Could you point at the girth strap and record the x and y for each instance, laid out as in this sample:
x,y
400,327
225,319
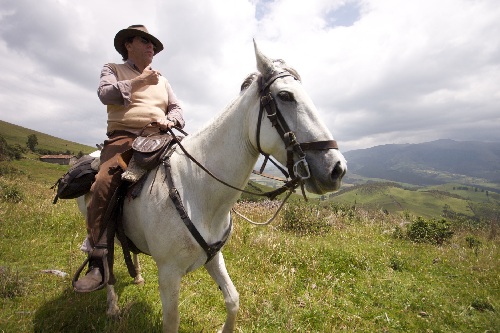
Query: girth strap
x,y
212,249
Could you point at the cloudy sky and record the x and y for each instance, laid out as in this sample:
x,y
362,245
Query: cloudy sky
x,y
379,71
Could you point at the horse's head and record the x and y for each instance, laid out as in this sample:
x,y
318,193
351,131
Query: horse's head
x,y
292,132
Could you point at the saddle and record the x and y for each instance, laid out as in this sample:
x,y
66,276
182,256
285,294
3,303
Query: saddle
x,y
145,155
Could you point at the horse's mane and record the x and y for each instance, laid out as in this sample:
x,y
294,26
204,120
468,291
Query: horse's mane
x,y
278,63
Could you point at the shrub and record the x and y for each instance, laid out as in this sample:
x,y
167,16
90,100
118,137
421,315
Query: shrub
x,y
473,243
482,305
304,218
343,211
398,233
429,231
397,264
7,169
11,193
17,151
8,152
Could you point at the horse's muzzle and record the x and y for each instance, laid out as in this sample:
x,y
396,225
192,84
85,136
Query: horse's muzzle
x,y
338,172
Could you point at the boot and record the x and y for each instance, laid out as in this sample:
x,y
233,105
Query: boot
x,y
93,279
96,277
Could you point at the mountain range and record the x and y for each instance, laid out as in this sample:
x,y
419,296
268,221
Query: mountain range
x,y
430,163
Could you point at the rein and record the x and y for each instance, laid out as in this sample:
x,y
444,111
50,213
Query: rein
x,y
297,171
289,185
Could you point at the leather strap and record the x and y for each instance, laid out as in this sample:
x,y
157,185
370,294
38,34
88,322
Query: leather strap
x,y
212,249
102,255
292,146
271,195
319,145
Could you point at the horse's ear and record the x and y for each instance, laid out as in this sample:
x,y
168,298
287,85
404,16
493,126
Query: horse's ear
x,y
264,64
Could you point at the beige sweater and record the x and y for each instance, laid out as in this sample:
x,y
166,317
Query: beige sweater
x,y
147,104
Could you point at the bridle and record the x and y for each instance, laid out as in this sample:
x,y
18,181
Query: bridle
x,y
298,170
293,147
295,175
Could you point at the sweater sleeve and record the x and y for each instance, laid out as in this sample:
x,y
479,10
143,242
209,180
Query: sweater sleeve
x,y
111,91
174,109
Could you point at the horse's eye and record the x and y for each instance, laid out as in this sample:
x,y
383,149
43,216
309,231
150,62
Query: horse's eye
x,y
286,96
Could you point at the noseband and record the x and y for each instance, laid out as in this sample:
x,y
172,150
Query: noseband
x,y
299,170
292,146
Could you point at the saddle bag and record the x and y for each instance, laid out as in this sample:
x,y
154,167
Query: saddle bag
x,y
77,181
148,149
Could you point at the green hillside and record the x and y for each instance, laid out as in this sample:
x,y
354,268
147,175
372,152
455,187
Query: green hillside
x,y
431,201
315,269
326,266
18,135
394,198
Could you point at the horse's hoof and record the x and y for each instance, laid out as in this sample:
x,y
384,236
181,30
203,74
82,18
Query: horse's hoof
x,y
139,280
113,312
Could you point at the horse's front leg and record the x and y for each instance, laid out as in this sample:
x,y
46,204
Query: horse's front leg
x,y
169,284
217,270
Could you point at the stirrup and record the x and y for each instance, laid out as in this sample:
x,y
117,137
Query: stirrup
x,y
105,265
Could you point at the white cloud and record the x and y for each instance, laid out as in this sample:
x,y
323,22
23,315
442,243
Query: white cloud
x,y
379,71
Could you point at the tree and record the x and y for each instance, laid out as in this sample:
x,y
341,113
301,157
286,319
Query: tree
x,y
4,149
32,142
8,152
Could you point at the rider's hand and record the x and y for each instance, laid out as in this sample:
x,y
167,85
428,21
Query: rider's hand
x,y
148,77
165,123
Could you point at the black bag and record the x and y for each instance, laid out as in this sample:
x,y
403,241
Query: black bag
x,y
77,181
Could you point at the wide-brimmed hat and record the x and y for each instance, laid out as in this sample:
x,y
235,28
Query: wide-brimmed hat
x,y
132,31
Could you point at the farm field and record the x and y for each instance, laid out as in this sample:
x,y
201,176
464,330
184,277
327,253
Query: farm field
x,y
321,267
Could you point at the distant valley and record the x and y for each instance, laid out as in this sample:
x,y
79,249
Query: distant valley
x,y
439,178
431,163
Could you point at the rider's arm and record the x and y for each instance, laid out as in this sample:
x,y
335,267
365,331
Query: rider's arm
x,y
174,110
112,91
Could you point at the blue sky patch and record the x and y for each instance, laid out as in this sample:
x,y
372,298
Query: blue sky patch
x,y
344,16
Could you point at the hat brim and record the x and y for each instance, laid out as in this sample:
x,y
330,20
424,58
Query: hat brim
x,y
122,35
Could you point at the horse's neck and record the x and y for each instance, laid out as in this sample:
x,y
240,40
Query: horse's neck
x,y
224,148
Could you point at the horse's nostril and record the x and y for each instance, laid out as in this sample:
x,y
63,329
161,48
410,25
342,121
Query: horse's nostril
x,y
338,171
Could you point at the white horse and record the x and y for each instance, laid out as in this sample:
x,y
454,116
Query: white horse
x,y
228,147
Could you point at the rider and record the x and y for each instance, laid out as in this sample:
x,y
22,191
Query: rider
x,y
136,95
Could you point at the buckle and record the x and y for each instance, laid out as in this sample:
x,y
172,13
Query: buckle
x,y
305,168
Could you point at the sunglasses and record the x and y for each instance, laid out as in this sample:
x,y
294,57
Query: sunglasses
x,y
146,41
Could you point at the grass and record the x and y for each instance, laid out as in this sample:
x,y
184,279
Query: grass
x,y
351,275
